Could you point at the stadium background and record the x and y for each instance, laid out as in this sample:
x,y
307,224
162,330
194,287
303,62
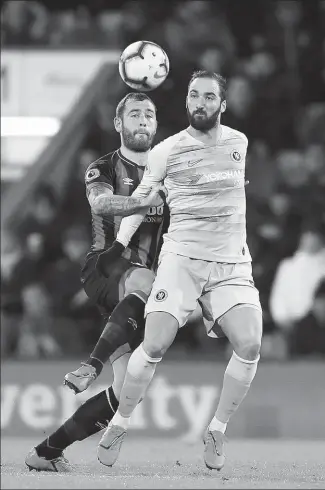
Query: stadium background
x,y
59,90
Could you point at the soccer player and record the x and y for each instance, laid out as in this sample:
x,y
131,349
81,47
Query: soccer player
x,y
204,258
109,183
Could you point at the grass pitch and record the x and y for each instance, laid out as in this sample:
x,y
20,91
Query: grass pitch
x,y
161,463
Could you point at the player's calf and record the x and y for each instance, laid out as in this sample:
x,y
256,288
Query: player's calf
x,y
90,418
140,371
120,329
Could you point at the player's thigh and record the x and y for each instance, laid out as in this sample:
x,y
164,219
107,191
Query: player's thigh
x,y
178,285
104,291
137,280
229,285
174,296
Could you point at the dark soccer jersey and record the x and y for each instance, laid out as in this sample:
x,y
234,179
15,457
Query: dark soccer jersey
x,y
122,176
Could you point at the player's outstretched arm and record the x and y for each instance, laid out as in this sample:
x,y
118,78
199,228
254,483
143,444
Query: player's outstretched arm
x,y
151,182
104,202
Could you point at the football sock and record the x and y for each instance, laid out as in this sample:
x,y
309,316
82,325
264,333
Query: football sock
x,y
140,371
90,418
237,379
119,330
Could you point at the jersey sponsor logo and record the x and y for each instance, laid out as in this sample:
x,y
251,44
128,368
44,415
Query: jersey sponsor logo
x,y
156,210
154,214
127,181
161,295
92,174
235,155
191,163
215,176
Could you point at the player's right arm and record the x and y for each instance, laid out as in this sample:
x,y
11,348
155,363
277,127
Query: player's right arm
x,y
99,181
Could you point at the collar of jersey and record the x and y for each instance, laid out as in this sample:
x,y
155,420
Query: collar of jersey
x,y
120,154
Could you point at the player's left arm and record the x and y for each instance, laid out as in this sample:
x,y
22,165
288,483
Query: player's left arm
x,y
152,181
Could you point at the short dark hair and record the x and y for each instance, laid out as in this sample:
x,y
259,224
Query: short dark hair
x,y
136,96
222,82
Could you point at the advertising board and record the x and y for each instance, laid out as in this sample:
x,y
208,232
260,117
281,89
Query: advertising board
x,y
285,400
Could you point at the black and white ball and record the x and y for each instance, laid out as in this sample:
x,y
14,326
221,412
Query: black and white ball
x,y
144,66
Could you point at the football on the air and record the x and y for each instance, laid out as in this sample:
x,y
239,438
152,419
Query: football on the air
x,y
144,66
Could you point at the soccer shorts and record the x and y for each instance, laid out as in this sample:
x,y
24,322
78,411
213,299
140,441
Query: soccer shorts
x,y
106,292
182,282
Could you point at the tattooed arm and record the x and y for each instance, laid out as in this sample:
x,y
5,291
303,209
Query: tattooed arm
x,y
103,202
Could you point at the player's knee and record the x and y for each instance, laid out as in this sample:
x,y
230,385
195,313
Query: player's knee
x,y
248,344
157,345
248,349
155,349
246,332
160,332
140,280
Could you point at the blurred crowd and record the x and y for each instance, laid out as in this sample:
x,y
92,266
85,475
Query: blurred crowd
x,y
274,60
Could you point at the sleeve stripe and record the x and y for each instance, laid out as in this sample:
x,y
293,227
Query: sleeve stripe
x,y
104,184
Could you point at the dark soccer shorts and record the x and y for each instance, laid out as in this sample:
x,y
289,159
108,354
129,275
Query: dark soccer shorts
x,y
101,290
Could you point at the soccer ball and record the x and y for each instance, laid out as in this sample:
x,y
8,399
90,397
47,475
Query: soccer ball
x,y
143,65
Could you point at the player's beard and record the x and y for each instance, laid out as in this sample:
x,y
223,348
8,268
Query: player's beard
x,y
139,144
203,123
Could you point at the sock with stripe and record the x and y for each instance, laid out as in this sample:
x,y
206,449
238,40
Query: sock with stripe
x,y
90,418
120,329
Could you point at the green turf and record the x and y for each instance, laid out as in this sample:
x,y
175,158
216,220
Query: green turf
x,y
161,463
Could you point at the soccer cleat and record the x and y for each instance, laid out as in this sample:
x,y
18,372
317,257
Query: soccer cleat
x,y
110,444
80,379
214,456
38,463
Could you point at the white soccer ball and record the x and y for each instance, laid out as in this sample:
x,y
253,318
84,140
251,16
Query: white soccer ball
x,y
143,65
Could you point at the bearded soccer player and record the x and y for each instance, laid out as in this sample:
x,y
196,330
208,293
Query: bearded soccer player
x,y
109,183
204,258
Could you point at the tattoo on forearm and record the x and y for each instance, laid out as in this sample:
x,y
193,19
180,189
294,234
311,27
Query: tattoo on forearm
x,y
104,203
118,205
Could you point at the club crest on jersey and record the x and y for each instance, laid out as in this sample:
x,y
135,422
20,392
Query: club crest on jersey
x,y
161,295
92,174
235,155
127,181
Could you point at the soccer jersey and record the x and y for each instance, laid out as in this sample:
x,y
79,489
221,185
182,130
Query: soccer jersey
x,y
206,196
122,176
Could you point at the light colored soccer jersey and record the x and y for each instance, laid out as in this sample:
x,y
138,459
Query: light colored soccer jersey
x,y
206,196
